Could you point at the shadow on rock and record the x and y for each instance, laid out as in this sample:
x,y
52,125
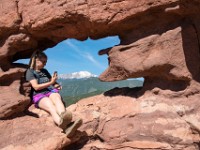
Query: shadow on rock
x,y
25,113
82,137
125,91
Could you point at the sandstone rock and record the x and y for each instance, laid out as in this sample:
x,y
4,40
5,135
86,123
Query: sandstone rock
x,y
30,132
9,19
159,41
12,46
147,122
12,101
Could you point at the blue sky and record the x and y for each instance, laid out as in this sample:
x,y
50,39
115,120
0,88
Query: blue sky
x,y
73,56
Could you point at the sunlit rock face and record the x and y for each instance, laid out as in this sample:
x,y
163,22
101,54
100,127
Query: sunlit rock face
x,y
122,119
163,47
162,56
159,41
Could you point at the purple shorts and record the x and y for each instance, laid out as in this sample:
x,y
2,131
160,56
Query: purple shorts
x,y
36,98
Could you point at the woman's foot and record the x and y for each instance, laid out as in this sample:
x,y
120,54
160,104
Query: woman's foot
x,y
71,129
66,118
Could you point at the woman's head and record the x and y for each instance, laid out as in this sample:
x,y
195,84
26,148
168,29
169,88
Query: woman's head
x,y
38,60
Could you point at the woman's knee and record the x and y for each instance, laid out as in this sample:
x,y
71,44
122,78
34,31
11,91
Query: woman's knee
x,y
55,95
45,103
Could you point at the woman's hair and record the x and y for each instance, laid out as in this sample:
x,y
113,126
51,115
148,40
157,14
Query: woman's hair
x,y
36,54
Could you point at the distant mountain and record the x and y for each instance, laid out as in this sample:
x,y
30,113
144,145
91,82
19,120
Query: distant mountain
x,y
76,89
77,75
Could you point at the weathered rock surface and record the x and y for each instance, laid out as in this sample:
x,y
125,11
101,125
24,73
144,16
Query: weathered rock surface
x,y
120,119
159,41
31,131
12,101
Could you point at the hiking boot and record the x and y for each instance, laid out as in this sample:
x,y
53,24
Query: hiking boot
x,y
66,118
71,129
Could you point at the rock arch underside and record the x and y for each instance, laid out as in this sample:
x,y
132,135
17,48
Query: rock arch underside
x,y
160,41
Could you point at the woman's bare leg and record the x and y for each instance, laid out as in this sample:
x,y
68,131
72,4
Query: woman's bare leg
x,y
57,101
47,105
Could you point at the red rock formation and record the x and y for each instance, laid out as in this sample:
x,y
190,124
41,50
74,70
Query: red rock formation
x,y
33,131
123,120
159,41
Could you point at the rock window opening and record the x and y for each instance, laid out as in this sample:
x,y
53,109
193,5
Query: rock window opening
x,y
78,65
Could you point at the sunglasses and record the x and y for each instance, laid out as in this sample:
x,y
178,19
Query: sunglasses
x,y
43,61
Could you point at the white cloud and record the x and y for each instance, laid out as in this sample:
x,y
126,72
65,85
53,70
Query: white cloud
x,y
77,75
86,55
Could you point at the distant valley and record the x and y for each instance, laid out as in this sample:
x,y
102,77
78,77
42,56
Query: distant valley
x,y
74,89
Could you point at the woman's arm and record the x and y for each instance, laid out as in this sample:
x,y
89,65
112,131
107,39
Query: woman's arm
x,y
37,86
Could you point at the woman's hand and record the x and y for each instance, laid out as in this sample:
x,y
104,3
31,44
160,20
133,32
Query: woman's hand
x,y
58,86
53,79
